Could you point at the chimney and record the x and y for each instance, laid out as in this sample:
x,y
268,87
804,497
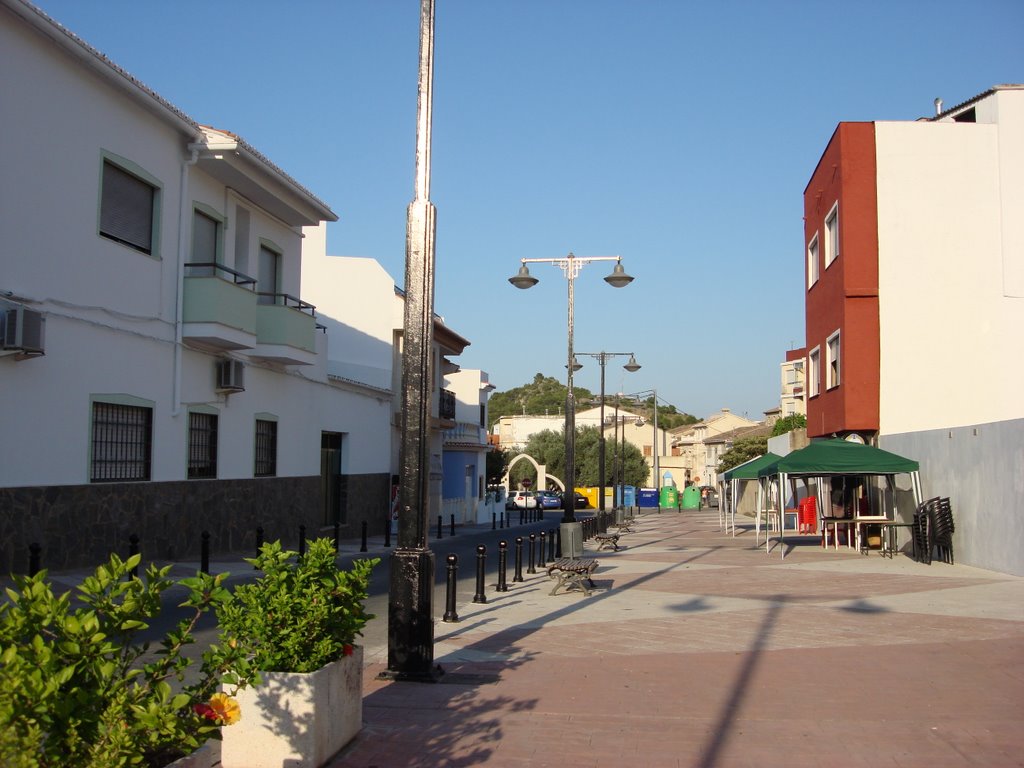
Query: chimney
x,y
938,106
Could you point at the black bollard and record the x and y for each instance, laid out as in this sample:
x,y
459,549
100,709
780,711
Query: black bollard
x,y
337,537
502,565
440,534
259,540
501,519
302,541
551,544
133,549
494,521
204,549
522,513
362,546
33,558
450,615
387,532
518,576
533,554
541,550
558,545
451,529
481,554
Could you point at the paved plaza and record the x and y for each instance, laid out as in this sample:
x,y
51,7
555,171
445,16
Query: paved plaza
x,y
699,649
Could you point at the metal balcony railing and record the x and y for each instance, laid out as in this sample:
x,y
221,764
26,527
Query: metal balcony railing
x,y
286,300
212,269
446,407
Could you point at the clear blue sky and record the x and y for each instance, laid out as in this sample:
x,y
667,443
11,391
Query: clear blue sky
x,y
679,135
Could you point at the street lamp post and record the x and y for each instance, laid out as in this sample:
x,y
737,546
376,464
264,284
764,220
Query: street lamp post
x,y
570,266
632,366
410,596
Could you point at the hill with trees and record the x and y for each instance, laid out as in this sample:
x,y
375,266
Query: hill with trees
x,y
546,396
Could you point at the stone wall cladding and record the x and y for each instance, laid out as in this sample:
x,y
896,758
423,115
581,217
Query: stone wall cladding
x,y
78,526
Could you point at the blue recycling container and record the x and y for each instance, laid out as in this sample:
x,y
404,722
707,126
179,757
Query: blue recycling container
x,y
648,498
629,495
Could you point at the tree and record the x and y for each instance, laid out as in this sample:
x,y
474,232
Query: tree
x,y
742,451
497,464
548,448
789,423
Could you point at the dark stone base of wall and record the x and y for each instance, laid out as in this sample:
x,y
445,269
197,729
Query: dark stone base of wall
x,y
79,526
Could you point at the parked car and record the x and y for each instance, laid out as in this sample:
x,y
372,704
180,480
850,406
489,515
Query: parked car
x,y
709,496
521,500
549,499
553,500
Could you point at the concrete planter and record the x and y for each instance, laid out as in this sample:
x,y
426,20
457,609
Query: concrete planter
x,y
299,720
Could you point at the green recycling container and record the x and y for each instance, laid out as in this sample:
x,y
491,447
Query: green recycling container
x,y
691,498
669,496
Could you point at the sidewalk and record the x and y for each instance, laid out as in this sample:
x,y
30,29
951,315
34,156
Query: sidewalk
x,y
700,650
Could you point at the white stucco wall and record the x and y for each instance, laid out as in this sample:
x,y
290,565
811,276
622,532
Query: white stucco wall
x,y
952,353
355,298
110,310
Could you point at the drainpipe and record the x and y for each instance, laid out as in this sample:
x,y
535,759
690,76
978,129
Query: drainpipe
x,y
179,284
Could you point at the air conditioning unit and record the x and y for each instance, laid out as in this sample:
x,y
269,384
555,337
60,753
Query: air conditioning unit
x,y
22,330
230,376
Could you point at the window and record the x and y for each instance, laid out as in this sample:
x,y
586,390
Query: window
x,y
266,448
814,372
832,352
127,208
268,273
205,238
202,445
122,447
832,236
812,261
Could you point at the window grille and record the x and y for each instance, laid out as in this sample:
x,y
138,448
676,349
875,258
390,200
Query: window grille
x,y
266,448
122,446
202,445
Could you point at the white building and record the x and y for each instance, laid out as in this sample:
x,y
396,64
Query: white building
x,y
914,304
363,311
163,370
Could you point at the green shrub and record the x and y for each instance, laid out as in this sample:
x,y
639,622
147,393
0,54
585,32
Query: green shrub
x,y
78,688
301,613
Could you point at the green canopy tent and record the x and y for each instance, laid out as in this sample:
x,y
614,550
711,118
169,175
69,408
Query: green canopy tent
x,y
831,458
732,478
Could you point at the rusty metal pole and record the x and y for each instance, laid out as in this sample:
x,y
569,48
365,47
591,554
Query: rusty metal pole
x,y
410,598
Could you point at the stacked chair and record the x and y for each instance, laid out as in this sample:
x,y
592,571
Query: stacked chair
x,y
933,531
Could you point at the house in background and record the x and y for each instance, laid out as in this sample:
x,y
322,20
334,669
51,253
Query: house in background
x,y
688,443
464,461
914,277
164,371
363,312
791,400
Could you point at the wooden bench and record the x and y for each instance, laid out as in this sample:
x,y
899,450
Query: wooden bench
x,y
623,527
607,541
572,572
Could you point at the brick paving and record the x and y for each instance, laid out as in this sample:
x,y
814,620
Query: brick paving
x,y
699,649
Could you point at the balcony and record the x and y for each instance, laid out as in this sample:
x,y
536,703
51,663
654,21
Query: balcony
x,y
218,308
465,435
285,330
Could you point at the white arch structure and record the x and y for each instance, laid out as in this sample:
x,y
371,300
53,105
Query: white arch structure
x,y
542,474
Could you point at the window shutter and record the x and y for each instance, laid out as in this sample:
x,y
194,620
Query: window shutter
x,y
126,209
204,239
